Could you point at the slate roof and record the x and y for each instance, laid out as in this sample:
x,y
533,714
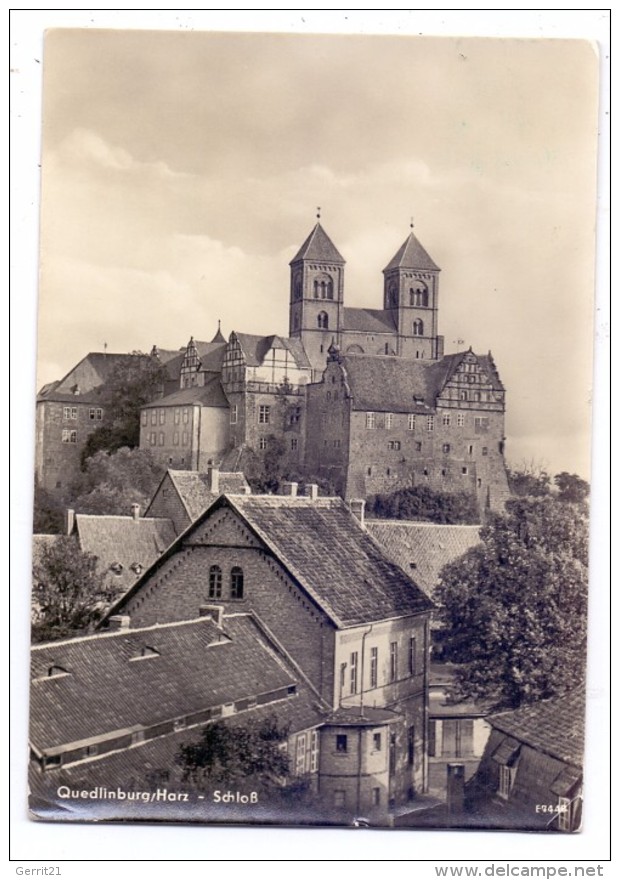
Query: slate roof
x,y
383,383
423,549
555,727
189,666
318,246
411,255
124,540
211,356
209,394
256,347
194,492
369,320
328,552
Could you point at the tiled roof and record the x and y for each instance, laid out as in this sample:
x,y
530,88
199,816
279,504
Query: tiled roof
x,y
256,347
318,246
325,548
382,383
211,356
193,489
369,320
124,540
411,255
423,549
209,394
555,727
111,682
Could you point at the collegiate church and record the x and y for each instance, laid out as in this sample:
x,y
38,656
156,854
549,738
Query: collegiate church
x,y
363,397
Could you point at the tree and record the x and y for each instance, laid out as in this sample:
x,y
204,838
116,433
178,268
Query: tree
x,y
111,483
529,479
69,595
132,384
423,504
227,754
48,516
571,488
513,609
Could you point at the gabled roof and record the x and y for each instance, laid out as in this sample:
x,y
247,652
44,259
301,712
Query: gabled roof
x,y
326,550
319,247
451,362
423,549
195,494
102,365
384,383
369,320
555,726
411,255
139,677
211,356
255,348
209,394
124,541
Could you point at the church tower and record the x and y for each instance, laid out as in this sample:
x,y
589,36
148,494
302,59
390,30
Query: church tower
x,y
410,293
317,297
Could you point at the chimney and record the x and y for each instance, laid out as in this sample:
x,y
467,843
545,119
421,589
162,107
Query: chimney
x,y
456,788
357,506
312,491
213,477
215,612
290,488
135,511
119,623
70,521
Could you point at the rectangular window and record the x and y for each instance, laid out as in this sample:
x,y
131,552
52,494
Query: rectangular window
x,y
145,417
393,661
162,417
470,449
153,417
233,414
262,443
175,438
418,446
430,423
460,420
411,746
341,742
565,819
353,673
481,424
371,420
69,412
184,438
411,422
457,737
393,444
343,676
314,751
445,447
445,419
389,420
162,438
432,739
295,415
374,667
69,436
376,797
153,438
264,414
506,780
300,755
336,444
464,470
185,415
412,658
485,450
177,415
95,413
376,742
294,444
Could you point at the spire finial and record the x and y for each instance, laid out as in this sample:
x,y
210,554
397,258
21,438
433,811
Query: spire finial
x,y
219,324
318,213
411,222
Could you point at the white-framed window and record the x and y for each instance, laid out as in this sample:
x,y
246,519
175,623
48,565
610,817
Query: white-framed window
x,y
162,438
314,751
353,673
374,667
411,422
264,414
430,423
162,417
371,420
481,424
177,415
184,438
300,754
393,661
389,420
95,413
445,447
153,417
460,420
69,412
446,419
262,443
185,415
153,438
69,436
233,414
393,444
565,814
294,444
144,417
506,781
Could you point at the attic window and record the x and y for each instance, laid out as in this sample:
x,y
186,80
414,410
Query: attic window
x,y
417,399
137,567
146,653
55,670
116,567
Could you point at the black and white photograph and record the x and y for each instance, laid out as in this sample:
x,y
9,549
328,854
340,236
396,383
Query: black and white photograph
x,y
313,433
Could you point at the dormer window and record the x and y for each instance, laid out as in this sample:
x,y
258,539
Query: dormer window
x,y
55,671
146,653
116,568
136,567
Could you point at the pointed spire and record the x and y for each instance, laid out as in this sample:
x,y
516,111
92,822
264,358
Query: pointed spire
x,y
219,336
318,246
411,255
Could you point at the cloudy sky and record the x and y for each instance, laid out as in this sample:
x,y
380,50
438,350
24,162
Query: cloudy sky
x,y
181,171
